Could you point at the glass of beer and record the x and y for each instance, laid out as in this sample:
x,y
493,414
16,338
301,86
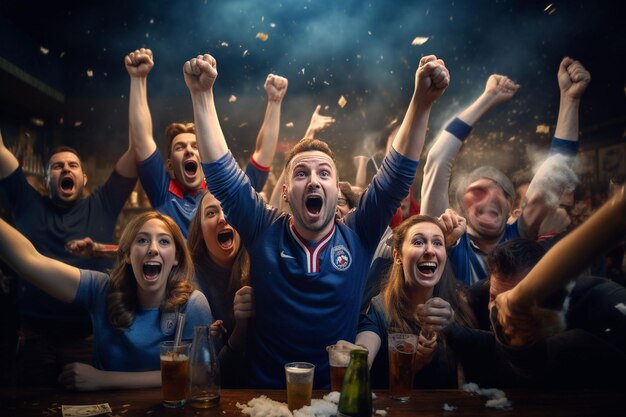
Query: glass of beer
x,y
338,358
175,373
402,348
299,377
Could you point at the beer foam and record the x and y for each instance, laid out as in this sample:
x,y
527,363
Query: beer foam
x,y
296,370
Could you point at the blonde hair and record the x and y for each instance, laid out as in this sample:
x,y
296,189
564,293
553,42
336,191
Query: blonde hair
x,y
122,300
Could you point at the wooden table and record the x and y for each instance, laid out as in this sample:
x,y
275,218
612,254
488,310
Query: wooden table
x,y
424,403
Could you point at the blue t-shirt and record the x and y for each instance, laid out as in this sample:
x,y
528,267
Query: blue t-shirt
x,y
168,196
137,348
49,227
468,261
307,294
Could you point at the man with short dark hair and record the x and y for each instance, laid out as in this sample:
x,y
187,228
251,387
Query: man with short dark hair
x,y
308,270
53,331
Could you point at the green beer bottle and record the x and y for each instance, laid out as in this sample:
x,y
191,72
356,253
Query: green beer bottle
x,y
356,394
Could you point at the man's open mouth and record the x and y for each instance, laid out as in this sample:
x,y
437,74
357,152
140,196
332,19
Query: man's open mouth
x,y
191,167
314,204
67,184
151,270
225,239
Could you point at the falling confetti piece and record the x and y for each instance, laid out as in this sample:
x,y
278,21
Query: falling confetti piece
x,y
36,121
543,129
89,73
245,53
244,124
420,40
44,50
342,102
147,35
62,54
232,99
262,36
78,123
550,9
290,124
272,25
326,82
224,44
151,21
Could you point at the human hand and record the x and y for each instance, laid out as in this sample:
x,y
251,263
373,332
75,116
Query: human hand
x,y
318,123
217,327
454,226
139,63
434,315
425,351
500,88
527,325
275,87
431,79
243,305
83,248
200,73
80,377
573,78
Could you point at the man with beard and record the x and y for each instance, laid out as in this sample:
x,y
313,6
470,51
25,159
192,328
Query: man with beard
x,y
308,270
173,188
52,332
485,196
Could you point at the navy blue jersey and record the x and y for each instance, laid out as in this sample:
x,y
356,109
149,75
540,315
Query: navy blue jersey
x,y
307,294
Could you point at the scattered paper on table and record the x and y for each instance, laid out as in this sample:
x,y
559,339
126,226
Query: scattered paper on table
x,y
85,410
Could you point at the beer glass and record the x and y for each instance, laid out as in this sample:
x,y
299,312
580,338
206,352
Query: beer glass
x,y
402,348
299,377
175,373
339,359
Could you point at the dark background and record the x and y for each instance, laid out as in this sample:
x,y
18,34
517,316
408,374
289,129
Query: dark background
x,y
355,48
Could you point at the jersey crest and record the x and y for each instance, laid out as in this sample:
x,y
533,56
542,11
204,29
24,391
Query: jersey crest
x,y
340,257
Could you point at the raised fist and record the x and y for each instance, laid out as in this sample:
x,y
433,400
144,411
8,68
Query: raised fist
x,y
501,88
276,87
200,73
431,79
573,78
139,63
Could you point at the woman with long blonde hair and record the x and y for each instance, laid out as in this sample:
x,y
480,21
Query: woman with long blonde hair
x,y
133,309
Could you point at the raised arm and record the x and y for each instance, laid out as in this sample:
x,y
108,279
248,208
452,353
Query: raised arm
x,y
139,64
438,167
8,161
276,87
55,278
318,123
431,80
519,313
556,175
200,74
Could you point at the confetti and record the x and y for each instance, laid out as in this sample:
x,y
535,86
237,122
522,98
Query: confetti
x,y
244,124
262,36
342,102
37,121
224,44
232,98
62,54
89,73
290,124
420,40
550,9
78,123
272,25
151,21
44,50
245,53
543,129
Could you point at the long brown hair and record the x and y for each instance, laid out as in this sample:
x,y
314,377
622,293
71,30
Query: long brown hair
x,y
398,306
239,273
122,300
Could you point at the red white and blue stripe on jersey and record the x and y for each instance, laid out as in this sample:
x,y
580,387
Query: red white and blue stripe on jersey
x,y
312,253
